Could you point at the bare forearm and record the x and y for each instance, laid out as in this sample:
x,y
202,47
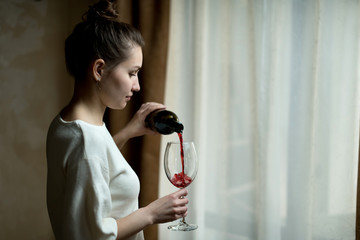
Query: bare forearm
x,y
133,223
121,138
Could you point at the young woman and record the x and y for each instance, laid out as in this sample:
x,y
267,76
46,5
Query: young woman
x,y
92,192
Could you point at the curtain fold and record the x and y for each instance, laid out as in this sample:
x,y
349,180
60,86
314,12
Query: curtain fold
x,y
269,92
151,17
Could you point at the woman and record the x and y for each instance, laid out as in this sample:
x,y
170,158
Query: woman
x,y
92,193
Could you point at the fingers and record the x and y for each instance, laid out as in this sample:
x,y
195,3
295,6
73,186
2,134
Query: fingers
x,y
180,212
150,107
181,193
180,201
170,207
179,209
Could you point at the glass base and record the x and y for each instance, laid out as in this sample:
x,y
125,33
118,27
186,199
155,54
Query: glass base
x,y
183,226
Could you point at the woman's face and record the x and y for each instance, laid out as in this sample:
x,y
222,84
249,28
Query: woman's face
x,y
118,85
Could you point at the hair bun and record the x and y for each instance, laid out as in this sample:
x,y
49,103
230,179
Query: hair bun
x,y
103,9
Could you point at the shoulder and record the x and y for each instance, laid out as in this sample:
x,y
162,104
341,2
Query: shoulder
x,y
75,140
60,130
77,130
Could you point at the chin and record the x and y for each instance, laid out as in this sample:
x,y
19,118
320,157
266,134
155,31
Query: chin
x,y
122,106
118,106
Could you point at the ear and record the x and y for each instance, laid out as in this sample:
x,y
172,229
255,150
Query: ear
x,y
98,68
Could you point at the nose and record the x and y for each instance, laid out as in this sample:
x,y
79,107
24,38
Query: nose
x,y
136,85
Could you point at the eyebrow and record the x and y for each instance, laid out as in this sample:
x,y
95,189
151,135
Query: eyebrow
x,y
136,68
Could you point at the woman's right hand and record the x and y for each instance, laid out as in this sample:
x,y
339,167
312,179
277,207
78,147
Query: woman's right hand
x,y
136,126
169,208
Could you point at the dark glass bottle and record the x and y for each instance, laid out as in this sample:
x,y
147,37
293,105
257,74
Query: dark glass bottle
x,y
164,122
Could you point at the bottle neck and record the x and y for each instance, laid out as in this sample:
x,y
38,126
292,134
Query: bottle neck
x,y
175,126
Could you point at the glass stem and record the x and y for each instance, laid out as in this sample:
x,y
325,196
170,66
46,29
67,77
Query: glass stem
x,y
183,219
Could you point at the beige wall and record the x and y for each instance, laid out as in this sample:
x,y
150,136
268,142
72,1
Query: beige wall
x,y
34,86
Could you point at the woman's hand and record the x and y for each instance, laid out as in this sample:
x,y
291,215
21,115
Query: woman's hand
x,y
136,126
168,208
165,209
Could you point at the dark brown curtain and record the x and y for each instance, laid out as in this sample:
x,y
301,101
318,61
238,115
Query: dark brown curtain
x,y
151,17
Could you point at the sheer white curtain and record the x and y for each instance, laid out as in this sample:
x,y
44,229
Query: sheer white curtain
x,y
269,93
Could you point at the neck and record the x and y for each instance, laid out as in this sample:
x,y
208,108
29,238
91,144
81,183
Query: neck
x,y
85,105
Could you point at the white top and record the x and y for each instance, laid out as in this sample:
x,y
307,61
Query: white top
x,y
89,182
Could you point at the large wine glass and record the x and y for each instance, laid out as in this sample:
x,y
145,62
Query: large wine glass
x,y
180,163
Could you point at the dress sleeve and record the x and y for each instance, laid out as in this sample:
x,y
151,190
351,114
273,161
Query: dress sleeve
x,y
87,201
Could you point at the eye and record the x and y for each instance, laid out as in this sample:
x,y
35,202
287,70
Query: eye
x,y
133,74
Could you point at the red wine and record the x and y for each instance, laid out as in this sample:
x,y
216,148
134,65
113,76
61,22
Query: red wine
x,y
181,180
181,151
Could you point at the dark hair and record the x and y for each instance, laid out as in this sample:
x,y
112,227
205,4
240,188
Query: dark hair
x,y
100,35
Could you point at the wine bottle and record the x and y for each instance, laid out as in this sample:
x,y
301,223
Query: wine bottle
x,y
164,122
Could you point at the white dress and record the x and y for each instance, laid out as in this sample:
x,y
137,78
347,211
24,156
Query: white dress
x,y
89,182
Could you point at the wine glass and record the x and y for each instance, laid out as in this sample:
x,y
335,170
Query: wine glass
x,y
180,163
